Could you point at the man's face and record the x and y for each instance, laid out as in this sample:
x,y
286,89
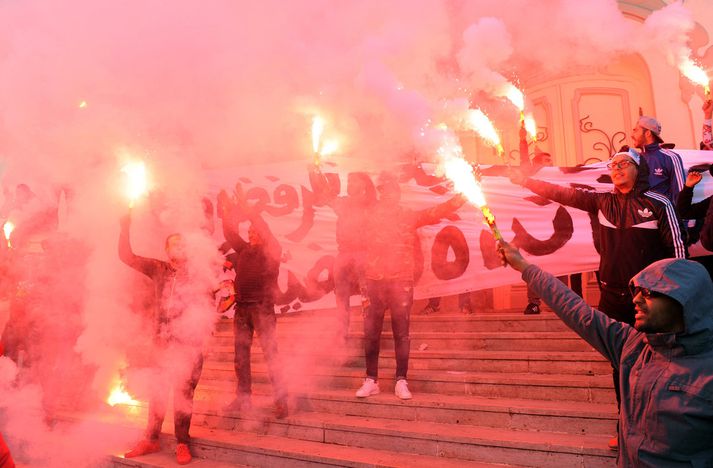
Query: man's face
x,y
657,313
623,172
640,136
176,249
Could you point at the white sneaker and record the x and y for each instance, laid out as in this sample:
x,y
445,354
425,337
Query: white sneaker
x,y
401,390
368,388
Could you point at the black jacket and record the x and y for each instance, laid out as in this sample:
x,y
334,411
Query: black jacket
x,y
256,267
169,283
635,229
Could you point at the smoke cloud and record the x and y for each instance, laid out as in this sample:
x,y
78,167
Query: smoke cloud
x,y
189,86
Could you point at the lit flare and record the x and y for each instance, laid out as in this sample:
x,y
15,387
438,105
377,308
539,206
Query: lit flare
x,y
321,146
318,125
480,123
461,174
514,95
530,126
137,181
7,229
119,396
696,74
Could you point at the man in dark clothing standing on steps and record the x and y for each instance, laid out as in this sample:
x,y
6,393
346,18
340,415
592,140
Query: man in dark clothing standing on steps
x,y
257,263
663,359
352,213
392,230
173,290
636,228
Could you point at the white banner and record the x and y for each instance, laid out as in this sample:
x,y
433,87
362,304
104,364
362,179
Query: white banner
x,y
458,254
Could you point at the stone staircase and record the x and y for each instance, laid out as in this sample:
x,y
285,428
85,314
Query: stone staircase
x,y
490,389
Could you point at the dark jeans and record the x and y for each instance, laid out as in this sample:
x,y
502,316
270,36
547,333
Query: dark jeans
x,y
618,305
397,296
348,280
249,317
183,390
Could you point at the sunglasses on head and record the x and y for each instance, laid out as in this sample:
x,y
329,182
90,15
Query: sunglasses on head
x,y
646,292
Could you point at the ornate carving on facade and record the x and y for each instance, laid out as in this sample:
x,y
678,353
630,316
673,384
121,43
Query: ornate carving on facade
x,y
607,144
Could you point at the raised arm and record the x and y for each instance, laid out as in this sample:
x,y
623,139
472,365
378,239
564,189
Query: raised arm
x,y
607,336
586,201
230,215
684,206
147,266
524,150
707,141
325,193
435,214
272,245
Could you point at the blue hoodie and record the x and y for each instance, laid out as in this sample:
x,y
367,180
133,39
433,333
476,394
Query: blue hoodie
x,y
666,414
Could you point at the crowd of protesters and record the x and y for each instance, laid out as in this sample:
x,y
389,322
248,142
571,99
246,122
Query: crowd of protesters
x,y
654,305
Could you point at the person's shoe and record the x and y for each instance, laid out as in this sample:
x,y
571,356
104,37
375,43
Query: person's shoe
x,y
614,443
280,409
368,388
401,390
532,309
183,455
429,309
241,404
144,447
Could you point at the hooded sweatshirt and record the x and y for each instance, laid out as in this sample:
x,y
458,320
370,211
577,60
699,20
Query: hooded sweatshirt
x,y
635,229
666,414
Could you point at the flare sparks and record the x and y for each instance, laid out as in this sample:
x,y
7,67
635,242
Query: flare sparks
x,y
696,74
7,228
119,396
137,181
321,146
462,174
477,121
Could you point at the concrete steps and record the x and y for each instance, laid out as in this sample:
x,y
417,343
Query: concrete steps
x,y
504,413
568,387
540,362
463,442
235,448
490,389
456,340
